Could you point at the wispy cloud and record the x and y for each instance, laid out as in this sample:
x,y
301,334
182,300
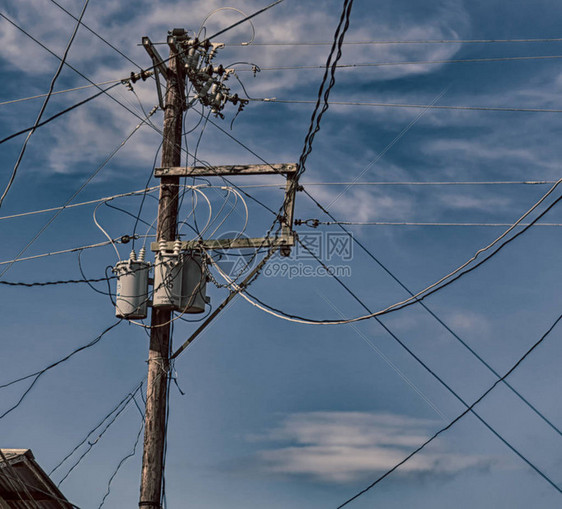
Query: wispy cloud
x,y
347,446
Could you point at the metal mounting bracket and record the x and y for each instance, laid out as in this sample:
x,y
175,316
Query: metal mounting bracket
x,y
159,67
285,241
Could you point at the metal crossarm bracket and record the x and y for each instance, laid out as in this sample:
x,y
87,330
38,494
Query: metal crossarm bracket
x,y
159,67
285,241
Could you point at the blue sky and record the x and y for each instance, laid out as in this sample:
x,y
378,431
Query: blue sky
x,y
274,413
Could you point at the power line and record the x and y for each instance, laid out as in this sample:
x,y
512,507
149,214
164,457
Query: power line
x,y
92,444
409,183
38,119
417,106
325,86
243,20
458,418
96,34
39,373
63,251
120,464
53,283
57,115
124,401
313,223
81,204
414,62
12,101
420,41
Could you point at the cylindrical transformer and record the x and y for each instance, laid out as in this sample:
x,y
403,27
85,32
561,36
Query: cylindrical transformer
x,y
194,284
131,300
167,281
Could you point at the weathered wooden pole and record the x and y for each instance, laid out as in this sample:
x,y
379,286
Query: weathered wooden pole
x,y
158,357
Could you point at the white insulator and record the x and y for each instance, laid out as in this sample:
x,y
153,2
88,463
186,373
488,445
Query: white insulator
x,y
194,284
177,247
142,254
167,281
133,255
214,88
162,245
131,300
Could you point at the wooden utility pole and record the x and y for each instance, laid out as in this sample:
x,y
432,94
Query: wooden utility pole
x,y
159,353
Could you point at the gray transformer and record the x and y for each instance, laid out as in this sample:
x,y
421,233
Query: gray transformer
x,y
167,280
194,284
131,300
180,282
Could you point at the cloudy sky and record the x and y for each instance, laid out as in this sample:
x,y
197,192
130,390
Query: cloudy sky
x,y
265,412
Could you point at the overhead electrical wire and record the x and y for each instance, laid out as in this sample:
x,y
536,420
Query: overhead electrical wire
x,y
325,86
414,62
92,444
456,336
12,101
62,251
409,183
411,223
95,33
419,41
413,106
81,204
120,464
501,438
57,115
53,283
37,375
458,418
424,183
38,122
247,18
124,401
546,420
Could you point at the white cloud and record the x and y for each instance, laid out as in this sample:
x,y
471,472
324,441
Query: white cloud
x,y
346,446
